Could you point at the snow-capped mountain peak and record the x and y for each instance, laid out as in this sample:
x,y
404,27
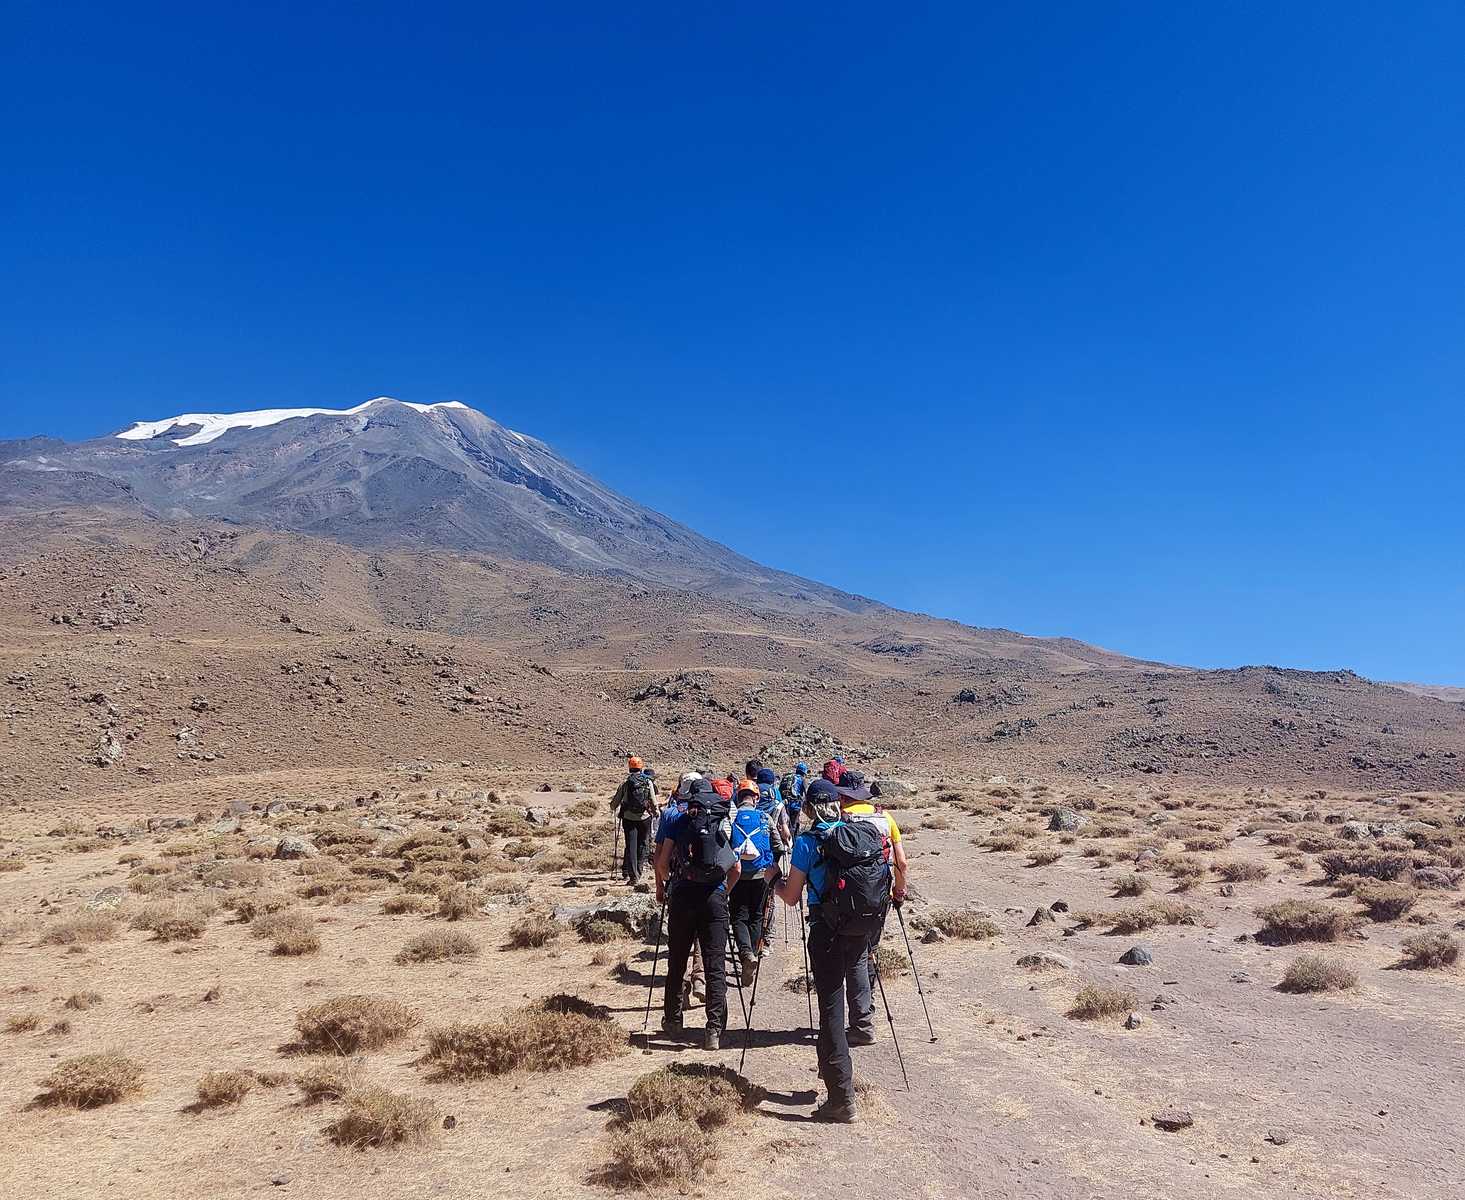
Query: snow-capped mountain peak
x,y
215,425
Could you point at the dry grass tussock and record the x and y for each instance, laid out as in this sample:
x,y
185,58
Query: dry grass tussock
x,y
711,1095
454,903
537,929
1376,864
1138,918
540,1037
1044,858
218,1088
176,920
666,1149
1096,1000
351,1023
1240,871
1318,973
375,1116
890,962
291,932
328,1080
1433,949
1385,901
406,902
598,933
91,1080
1131,885
81,1001
80,929
437,945
959,923
256,904
23,1023
1305,921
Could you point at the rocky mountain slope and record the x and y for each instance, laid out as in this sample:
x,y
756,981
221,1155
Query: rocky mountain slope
x,y
138,653
388,473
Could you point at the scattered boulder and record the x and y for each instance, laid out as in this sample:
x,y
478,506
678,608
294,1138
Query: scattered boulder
x,y
932,936
1138,956
109,749
225,825
1067,820
157,824
295,847
636,914
1133,1021
1041,916
1279,1137
1172,1120
277,808
537,816
1044,960
107,899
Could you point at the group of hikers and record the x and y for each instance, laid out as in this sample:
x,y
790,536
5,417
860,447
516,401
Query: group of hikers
x,y
725,849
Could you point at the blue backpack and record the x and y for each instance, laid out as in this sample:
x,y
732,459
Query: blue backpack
x,y
750,840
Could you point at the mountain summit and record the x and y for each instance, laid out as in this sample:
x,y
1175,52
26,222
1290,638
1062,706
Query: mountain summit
x,y
388,472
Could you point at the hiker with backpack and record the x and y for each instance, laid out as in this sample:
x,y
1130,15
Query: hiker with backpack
x,y
696,871
857,804
791,787
843,869
635,805
752,841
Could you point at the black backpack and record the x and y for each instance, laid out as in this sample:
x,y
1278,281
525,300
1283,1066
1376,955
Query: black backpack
x,y
856,889
700,844
639,801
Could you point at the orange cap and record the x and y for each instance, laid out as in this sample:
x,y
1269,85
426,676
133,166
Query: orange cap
x,y
634,763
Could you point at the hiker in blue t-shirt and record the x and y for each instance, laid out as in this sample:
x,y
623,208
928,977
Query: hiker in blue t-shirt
x,y
837,950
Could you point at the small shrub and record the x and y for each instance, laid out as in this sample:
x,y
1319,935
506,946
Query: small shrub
x,y
597,933
256,904
533,1038
961,923
81,1001
665,1149
1044,858
1131,885
1385,901
22,1023
174,920
1434,949
328,1080
709,1095
454,903
1148,916
351,1023
218,1088
1004,842
1373,863
1238,871
936,821
890,962
1096,1000
292,932
1203,842
91,1080
375,1116
1305,921
437,945
81,929
533,931
1318,973
406,902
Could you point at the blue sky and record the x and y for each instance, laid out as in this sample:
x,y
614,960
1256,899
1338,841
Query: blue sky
x,y
1138,323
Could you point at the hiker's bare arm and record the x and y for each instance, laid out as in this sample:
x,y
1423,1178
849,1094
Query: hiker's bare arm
x,y
791,888
661,864
900,870
734,873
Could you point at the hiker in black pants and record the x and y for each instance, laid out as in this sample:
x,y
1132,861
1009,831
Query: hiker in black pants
x,y
843,867
635,804
696,870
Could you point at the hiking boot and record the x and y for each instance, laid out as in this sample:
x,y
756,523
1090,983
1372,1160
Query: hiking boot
x,y
671,1022
712,1038
858,1037
750,964
836,1114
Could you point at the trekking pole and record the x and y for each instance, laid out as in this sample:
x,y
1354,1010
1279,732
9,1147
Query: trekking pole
x,y
895,1041
808,982
920,991
748,1024
732,951
655,956
615,837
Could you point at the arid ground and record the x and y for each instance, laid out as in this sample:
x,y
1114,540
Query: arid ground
x,y
285,828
